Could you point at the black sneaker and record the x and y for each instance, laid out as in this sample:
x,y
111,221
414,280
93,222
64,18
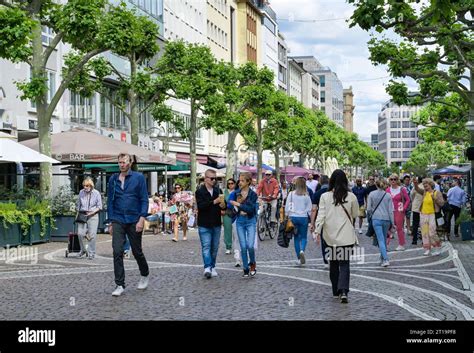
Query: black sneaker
x,y
344,299
246,274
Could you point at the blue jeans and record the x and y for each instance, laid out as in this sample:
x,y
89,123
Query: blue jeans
x,y
381,229
247,230
301,237
210,244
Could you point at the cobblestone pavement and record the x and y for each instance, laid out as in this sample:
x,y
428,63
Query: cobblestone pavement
x,y
414,287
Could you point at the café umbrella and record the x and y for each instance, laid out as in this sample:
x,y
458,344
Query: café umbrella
x,y
82,146
14,152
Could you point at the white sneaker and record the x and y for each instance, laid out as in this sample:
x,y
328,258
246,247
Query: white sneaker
x,y
360,231
126,254
214,273
400,248
298,262
143,282
207,272
385,264
426,253
302,258
436,252
118,291
228,252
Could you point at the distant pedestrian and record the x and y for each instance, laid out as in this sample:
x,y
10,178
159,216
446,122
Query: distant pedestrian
x,y
416,201
401,201
432,203
324,185
210,202
90,203
380,209
337,210
244,201
227,218
311,183
409,187
456,200
360,193
298,208
127,207
184,203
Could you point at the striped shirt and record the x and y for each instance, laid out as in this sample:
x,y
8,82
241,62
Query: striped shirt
x,y
89,201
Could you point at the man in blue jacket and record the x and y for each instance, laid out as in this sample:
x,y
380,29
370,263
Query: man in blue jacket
x,y
127,207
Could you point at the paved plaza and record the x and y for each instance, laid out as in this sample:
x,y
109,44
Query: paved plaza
x,y
414,287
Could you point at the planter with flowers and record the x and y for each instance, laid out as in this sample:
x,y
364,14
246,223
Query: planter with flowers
x,y
63,208
41,219
13,224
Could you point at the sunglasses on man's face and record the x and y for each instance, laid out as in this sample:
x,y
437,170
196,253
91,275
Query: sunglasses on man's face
x,y
211,178
393,179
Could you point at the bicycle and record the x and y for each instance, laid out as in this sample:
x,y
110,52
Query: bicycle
x,y
264,224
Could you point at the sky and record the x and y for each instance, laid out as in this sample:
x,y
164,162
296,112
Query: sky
x,y
341,48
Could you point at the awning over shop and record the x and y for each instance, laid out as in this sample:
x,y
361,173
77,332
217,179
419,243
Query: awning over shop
x,y
113,167
186,157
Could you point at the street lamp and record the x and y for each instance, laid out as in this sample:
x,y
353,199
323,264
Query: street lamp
x,y
160,133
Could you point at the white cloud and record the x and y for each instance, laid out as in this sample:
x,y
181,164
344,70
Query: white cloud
x,y
341,48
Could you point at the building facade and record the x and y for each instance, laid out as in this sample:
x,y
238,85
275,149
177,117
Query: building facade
x,y
282,63
295,80
374,142
398,135
331,91
248,32
348,109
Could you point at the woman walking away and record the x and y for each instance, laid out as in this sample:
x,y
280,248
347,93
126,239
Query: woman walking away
x,y
227,219
298,208
432,203
244,201
380,209
90,203
401,201
337,210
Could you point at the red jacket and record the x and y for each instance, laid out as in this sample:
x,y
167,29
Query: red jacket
x,y
268,188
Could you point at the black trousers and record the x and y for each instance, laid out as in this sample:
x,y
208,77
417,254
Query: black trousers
x,y
415,225
118,241
339,268
456,211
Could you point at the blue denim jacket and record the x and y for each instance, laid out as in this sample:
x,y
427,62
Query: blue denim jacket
x,y
249,206
128,205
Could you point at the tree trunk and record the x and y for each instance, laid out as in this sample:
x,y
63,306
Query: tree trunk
x,y
259,149
192,144
132,98
231,155
44,119
471,132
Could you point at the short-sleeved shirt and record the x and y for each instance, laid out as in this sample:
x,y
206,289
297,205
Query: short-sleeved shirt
x,y
317,196
359,191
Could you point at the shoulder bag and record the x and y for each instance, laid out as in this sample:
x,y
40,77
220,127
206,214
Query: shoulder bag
x,y
351,221
82,216
438,215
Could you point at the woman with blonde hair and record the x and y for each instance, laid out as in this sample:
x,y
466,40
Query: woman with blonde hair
x,y
244,202
298,208
432,203
88,203
401,201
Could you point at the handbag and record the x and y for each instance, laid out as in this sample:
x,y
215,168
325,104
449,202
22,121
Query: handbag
x,y
370,229
173,209
284,237
438,215
289,226
81,217
191,221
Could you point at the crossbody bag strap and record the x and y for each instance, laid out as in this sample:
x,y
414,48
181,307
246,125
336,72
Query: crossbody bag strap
x,y
379,202
347,213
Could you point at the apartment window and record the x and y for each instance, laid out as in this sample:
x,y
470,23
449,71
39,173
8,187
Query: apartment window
x,y
82,109
110,115
394,124
322,80
395,115
406,154
50,83
395,144
47,35
395,154
323,96
395,134
405,124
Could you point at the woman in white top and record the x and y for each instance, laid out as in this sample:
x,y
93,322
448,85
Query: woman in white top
x,y
337,210
298,208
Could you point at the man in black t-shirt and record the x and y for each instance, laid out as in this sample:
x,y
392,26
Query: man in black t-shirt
x,y
324,182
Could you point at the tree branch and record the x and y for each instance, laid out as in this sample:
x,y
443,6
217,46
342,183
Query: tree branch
x,y
7,4
66,80
460,54
115,103
50,48
151,101
114,69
